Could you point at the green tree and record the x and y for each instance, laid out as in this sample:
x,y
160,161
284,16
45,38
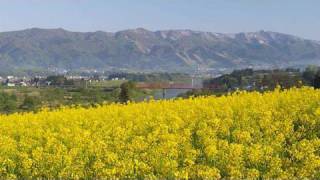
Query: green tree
x,y
8,103
126,92
310,73
30,104
57,80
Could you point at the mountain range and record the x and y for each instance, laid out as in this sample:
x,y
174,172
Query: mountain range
x,y
146,51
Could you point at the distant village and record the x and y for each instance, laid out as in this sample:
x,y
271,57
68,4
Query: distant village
x,y
42,81
247,79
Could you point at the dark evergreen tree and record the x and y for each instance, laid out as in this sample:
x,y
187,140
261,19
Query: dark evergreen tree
x,y
316,82
126,91
310,73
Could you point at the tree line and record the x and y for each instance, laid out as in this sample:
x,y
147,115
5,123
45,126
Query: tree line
x,y
9,103
249,79
258,80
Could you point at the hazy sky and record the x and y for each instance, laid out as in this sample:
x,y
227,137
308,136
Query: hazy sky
x,y
298,17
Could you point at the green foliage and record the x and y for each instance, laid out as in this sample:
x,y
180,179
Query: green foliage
x,y
8,103
30,103
25,99
59,81
248,79
91,96
81,96
127,89
310,73
258,80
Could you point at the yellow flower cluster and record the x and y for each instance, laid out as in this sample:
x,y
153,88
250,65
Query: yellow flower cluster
x,y
243,135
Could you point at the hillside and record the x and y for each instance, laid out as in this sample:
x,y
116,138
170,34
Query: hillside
x,y
143,50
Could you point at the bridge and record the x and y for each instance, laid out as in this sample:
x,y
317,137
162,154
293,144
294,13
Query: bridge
x,y
167,86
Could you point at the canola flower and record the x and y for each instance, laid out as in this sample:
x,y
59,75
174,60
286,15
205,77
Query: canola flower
x,y
274,135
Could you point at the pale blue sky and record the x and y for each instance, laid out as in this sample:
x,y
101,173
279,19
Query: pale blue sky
x,y
298,17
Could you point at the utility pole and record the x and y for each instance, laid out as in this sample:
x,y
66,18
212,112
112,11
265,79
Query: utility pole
x,y
163,93
192,82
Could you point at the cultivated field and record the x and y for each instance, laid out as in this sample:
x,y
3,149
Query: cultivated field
x,y
243,135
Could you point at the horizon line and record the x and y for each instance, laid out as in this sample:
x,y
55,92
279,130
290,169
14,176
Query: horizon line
x,y
159,30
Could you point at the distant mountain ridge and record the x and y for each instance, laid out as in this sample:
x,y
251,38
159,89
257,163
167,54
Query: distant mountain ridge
x,y
144,50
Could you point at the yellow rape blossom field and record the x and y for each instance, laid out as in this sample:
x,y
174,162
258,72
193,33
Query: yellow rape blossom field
x,y
241,136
